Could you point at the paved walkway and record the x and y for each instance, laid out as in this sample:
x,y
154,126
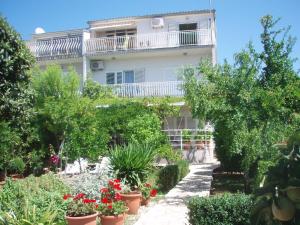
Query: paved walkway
x,y
172,209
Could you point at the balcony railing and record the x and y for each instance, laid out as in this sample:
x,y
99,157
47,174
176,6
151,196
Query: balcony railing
x,y
148,89
149,41
68,47
56,48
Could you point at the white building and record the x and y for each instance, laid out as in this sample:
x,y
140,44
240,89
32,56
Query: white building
x,y
138,56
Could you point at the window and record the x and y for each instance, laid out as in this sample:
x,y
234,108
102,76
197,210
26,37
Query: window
x,y
127,76
110,78
119,77
188,35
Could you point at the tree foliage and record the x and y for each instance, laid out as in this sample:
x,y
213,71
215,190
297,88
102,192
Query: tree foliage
x,y
253,103
15,95
65,118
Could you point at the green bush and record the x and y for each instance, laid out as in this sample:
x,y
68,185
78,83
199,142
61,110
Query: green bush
x,y
132,163
228,209
39,197
170,175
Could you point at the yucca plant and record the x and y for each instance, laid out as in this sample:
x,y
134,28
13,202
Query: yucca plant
x,y
132,163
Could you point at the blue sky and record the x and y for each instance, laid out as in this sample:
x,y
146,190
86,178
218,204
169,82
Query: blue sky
x,y
237,20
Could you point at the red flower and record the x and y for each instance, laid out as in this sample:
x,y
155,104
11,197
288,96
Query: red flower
x,y
86,200
117,181
109,206
153,193
118,197
117,187
104,200
111,183
79,196
104,190
96,206
67,196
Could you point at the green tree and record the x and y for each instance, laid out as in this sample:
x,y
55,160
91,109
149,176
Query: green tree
x,y
65,118
253,103
15,95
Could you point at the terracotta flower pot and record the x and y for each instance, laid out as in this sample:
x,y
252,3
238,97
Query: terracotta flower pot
x,y
132,201
112,220
82,220
145,202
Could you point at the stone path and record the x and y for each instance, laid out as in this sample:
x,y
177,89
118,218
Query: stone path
x,y
172,209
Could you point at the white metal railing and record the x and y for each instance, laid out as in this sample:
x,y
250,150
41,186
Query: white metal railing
x,y
195,145
148,89
56,47
188,139
149,41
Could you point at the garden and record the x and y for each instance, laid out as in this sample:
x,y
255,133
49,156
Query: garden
x,y
46,123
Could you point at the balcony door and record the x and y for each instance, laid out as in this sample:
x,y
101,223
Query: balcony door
x,y
188,34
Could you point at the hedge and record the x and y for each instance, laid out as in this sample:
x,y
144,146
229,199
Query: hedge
x,y
227,209
170,175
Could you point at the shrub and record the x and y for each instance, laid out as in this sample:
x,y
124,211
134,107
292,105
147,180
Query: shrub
x,y
132,163
167,152
170,175
227,209
89,184
16,165
42,197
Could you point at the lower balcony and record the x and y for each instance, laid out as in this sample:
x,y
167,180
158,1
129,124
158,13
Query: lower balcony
x,y
148,89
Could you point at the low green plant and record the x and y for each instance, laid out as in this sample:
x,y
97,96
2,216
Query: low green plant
x,y
167,152
39,193
227,209
132,163
170,175
16,165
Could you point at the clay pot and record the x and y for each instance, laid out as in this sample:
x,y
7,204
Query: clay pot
x,y
293,194
145,202
112,220
132,201
285,210
82,220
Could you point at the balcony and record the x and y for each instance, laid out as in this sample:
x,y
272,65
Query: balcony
x,y
56,48
159,40
148,89
72,47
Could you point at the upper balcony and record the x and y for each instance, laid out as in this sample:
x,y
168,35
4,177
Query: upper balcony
x,y
148,41
72,47
56,48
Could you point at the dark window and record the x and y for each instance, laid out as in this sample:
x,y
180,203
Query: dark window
x,y
188,34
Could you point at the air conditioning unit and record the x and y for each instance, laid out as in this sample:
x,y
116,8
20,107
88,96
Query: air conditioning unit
x,y
97,65
157,22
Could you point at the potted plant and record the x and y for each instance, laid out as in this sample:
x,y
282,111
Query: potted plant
x,y
80,210
147,193
112,209
186,137
16,167
132,164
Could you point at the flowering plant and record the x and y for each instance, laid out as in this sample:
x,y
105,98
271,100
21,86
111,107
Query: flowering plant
x,y
111,203
147,191
79,205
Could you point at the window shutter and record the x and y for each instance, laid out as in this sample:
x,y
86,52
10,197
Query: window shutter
x,y
139,75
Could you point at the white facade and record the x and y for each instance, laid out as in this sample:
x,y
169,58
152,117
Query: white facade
x,y
129,50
